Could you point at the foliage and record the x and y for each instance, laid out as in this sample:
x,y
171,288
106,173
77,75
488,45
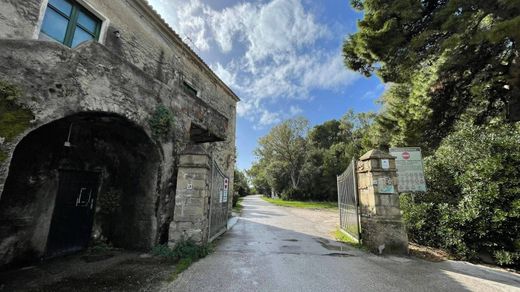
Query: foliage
x,y
473,205
164,251
161,122
183,254
302,204
240,186
284,149
183,250
448,60
322,153
342,237
452,67
100,248
14,119
238,206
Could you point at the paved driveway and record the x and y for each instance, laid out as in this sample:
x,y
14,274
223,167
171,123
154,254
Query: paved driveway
x,y
275,248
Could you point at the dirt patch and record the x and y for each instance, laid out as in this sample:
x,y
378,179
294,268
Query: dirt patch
x,y
428,253
121,271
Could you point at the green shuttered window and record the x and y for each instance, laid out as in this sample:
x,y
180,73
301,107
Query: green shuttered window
x,y
69,23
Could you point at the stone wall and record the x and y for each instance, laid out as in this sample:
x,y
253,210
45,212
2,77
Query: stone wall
x,y
382,228
147,43
130,77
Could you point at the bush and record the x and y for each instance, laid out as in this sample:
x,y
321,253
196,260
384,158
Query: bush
x,y
472,207
291,194
183,250
161,122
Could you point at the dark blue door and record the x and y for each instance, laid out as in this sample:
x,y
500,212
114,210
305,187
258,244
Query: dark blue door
x,y
73,216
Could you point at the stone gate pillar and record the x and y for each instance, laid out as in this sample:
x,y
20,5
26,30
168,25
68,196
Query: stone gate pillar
x,y
382,229
190,220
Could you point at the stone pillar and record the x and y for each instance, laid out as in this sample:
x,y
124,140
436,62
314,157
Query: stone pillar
x,y
382,229
190,218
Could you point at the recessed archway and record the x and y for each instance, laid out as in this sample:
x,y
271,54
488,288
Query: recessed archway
x,y
87,176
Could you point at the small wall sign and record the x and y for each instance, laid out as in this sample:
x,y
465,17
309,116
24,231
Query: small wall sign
x,y
385,164
385,185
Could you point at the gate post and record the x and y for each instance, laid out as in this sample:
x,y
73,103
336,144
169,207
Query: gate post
x,y
190,218
382,228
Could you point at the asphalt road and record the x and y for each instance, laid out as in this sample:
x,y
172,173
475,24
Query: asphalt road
x,y
275,248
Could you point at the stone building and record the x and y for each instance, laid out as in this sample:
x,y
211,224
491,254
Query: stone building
x,y
111,129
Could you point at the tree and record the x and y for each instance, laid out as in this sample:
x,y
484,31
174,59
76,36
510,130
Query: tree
x,y
286,145
453,66
448,58
258,177
240,186
325,135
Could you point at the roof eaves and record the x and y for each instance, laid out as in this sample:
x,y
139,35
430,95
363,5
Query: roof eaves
x,y
177,39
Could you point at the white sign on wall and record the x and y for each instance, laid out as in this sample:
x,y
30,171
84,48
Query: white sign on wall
x,y
410,169
385,163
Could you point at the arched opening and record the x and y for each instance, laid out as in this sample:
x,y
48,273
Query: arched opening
x,y
90,176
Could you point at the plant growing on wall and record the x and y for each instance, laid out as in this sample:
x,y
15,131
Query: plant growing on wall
x,y
161,122
14,119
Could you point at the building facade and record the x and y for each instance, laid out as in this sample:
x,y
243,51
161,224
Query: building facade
x,y
111,129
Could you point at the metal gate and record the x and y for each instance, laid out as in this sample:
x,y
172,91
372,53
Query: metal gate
x,y
218,203
348,201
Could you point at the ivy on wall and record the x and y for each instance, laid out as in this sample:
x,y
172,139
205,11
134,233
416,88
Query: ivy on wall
x,y
161,122
14,119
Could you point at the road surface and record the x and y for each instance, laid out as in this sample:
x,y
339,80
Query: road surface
x,y
275,248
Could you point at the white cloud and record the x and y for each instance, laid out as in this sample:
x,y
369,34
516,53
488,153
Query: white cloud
x,y
295,110
228,77
274,45
187,17
269,118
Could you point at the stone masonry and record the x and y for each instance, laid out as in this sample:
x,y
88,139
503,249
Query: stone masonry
x,y
105,94
382,229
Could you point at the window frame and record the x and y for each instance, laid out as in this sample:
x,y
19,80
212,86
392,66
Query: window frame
x,y
79,5
189,89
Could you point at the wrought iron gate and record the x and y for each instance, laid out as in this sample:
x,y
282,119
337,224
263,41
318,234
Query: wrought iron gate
x,y
218,203
348,201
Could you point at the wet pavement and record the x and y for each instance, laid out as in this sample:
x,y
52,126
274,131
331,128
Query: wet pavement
x,y
274,248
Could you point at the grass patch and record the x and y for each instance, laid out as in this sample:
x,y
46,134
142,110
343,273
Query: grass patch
x,y
302,204
183,255
238,208
342,237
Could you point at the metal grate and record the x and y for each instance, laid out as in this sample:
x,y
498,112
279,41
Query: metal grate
x,y
348,201
218,207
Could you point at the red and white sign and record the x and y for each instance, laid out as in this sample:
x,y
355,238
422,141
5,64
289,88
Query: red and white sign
x,y
226,184
410,170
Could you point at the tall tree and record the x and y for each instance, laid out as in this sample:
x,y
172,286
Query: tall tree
x,y
286,144
450,58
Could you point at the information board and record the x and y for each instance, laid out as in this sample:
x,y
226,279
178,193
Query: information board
x,y
410,169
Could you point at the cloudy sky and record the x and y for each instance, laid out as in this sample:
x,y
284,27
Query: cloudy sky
x,y
281,57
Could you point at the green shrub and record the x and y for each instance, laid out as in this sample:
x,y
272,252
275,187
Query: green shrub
x,y
164,251
183,250
161,122
290,194
472,207
14,118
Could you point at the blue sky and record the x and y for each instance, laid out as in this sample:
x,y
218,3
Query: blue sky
x,y
282,58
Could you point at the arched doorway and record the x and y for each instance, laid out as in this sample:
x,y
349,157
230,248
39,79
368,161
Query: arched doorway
x,y
84,177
